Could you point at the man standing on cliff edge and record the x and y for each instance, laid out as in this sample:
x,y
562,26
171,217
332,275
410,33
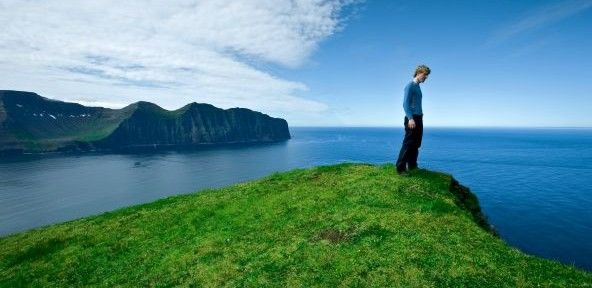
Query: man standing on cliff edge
x,y
413,122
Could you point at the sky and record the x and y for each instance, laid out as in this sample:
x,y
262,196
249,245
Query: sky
x,y
312,62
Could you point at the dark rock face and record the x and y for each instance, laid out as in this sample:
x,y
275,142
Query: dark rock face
x,y
195,124
468,201
31,123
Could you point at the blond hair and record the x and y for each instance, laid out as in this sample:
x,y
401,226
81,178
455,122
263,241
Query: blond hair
x,y
422,69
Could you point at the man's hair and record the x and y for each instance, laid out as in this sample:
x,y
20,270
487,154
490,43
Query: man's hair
x,y
422,69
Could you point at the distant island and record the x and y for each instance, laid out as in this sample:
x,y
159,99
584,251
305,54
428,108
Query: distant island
x,y
30,123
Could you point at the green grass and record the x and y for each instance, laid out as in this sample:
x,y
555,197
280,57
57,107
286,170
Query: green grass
x,y
344,225
97,133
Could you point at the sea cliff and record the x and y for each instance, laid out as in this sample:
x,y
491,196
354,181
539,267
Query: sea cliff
x,y
30,123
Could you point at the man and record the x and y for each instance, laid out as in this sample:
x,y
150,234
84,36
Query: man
x,y
413,121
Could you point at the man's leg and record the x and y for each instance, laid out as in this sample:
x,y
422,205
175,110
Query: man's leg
x,y
413,152
402,160
406,148
418,135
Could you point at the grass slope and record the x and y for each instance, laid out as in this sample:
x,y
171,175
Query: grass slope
x,y
341,225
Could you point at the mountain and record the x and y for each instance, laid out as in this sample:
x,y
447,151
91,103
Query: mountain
x,y
32,123
345,225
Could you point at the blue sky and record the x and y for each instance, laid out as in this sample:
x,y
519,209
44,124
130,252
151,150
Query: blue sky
x,y
490,67
312,62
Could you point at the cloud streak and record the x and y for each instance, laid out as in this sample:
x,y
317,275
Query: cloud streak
x,y
169,52
538,18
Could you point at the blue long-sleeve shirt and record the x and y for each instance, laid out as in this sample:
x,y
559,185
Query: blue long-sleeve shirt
x,y
412,100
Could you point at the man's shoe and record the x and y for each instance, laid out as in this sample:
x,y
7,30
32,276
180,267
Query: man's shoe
x,y
403,173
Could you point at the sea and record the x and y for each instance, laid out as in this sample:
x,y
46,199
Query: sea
x,y
533,184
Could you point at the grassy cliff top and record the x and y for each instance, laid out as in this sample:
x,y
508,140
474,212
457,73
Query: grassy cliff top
x,y
341,225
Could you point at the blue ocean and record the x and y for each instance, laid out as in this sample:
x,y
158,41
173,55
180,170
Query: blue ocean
x,y
534,184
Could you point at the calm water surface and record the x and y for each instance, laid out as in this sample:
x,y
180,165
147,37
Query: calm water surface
x,y
535,185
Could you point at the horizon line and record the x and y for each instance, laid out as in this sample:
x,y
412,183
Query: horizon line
x,y
444,126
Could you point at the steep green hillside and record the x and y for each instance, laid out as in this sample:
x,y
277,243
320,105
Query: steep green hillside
x,y
35,123
343,225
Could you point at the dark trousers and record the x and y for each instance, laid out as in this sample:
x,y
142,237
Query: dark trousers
x,y
411,143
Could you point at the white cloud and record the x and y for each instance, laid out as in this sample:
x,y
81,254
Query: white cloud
x,y
167,52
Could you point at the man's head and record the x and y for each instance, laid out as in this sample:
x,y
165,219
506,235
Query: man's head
x,y
421,73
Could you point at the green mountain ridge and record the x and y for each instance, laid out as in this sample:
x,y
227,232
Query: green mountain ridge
x,y
345,225
32,123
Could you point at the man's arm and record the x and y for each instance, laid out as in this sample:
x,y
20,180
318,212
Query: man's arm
x,y
407,106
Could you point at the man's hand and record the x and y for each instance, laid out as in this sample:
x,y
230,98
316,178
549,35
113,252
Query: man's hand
x,y
411,124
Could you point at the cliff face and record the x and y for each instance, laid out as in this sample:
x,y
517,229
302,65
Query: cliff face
x,y
195,124
31,123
